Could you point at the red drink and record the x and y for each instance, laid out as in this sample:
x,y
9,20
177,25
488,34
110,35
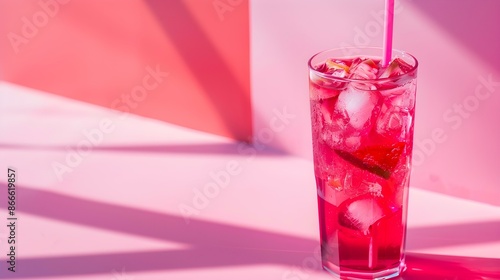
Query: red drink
x,y
362,124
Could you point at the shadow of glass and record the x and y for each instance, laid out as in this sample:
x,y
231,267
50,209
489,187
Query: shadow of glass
x,y
479,32
450,235
437,267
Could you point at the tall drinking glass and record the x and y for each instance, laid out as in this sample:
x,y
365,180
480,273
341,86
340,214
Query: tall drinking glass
x,y
362,129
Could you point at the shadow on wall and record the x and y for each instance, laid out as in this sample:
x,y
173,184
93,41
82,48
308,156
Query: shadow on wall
x,y
468,108
467,24
184,62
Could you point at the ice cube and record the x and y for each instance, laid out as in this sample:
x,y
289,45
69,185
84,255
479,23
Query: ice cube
x,y
353,142
333,126
366,70
332,138
362,212
322,89
338,180
391,89
352,62
321,68
348,180
392,121
397,67
406,100
335,183
337,137
337,68
327,107
331,70
357,105
329,188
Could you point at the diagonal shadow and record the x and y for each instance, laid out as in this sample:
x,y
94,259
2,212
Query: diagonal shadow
x,y
208,244
139,222
474,23
99,33
419,266
452,235
438,267
239,148
204,60
153,261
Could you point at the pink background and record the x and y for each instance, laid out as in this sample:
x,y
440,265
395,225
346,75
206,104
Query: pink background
x,y
96,51
88,53
237,70
116,215
454,47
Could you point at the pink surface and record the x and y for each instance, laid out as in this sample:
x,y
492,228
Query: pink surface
x,y
118,213
456,126
175,61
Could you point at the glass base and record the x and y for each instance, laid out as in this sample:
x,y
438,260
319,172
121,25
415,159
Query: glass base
x,y
357,275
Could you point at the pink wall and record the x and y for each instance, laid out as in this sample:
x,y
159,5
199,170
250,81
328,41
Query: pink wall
x,y
457,49
98,51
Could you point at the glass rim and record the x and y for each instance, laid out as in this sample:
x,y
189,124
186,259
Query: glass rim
x,y
328,76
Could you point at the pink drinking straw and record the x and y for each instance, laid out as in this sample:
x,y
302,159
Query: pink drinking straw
x,y
388,27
